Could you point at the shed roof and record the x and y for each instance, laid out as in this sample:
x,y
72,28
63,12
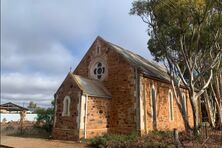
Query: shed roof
x,y
91,87
12,107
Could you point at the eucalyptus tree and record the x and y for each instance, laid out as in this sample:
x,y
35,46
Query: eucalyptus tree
x,y
214,95
182,35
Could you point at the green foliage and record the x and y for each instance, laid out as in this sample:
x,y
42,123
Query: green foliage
x,y
196,23
101,141
45,118
156,139
186,35
161,133
32,106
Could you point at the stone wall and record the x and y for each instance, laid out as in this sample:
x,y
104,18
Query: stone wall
x,y
163,111
98,114
120,83
65,127
126,111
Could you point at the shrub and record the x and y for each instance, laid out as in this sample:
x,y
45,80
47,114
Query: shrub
x,y
45,119
155,139
101,141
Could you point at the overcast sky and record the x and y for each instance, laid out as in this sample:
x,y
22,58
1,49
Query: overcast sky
x,y
42,39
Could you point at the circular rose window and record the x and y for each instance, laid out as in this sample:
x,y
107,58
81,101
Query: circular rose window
x,y
98,69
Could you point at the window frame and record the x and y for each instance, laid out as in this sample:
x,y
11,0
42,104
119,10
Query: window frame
x,y
171,107
184,101
93,68
66,106
151,102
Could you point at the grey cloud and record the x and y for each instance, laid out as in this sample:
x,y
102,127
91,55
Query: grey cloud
x,y
42,39
34,28
17,83
18,87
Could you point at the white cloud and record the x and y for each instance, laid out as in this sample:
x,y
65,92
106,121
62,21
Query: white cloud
x,y
42,39
55,59
25,88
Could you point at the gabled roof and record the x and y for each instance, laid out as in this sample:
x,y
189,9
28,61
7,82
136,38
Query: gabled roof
x,y
12,107
147,68
91,87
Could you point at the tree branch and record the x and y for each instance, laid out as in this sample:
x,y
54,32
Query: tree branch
x,y
205,85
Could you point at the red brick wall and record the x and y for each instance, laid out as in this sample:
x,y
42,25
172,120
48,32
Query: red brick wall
x,y
120,83
162,101
66,126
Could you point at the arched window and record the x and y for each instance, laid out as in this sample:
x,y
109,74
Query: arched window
x,y
184,102
171,105
66,106
153,104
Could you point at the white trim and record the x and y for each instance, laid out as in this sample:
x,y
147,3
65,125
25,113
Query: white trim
x,y
141,106
82,112
170,94
85,116
64,113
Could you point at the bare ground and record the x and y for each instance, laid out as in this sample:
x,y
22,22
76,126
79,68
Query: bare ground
x,y
21,142
33,138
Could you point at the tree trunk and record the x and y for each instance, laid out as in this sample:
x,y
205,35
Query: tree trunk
x,y
220,115
217,100
177,93
195,107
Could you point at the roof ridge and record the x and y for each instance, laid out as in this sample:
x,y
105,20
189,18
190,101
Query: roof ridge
x,y
140,56
148,67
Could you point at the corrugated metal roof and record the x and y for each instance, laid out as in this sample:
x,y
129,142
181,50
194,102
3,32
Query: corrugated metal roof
x,y
12,107
91,87
147,67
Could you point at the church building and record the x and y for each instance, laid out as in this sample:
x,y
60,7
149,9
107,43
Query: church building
x,y
114,90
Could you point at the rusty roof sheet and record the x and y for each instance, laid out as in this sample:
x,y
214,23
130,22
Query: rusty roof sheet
x,y
91,87
148,68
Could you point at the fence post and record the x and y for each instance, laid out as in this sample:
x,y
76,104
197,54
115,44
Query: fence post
x,y
205,130
177,142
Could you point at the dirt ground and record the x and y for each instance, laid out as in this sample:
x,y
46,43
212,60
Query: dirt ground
x,y
19,142
32,138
